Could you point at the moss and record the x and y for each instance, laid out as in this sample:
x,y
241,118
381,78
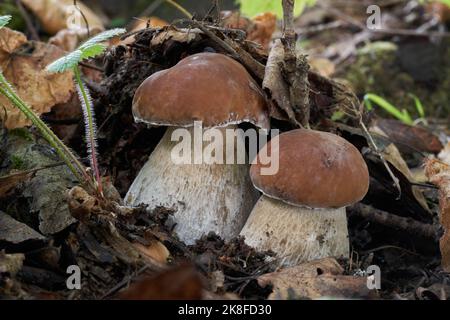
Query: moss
x,y
377,70
22,133
17,163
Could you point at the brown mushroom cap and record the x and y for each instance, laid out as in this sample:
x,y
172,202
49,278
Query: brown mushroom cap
x,y
316,170
207,87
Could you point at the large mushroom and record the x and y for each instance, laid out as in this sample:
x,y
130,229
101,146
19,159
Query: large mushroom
x,y
301,215
208,196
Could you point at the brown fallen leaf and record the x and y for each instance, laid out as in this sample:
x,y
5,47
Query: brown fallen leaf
x,y
314,280
23,64
180,283
438,173
156,250
410,137
56,15
260,29
261,32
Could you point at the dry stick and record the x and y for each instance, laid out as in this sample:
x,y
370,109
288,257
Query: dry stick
x,y
393,221
295,66
26,17
235,50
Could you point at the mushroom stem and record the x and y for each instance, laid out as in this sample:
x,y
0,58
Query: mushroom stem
x,y
296,234
206,197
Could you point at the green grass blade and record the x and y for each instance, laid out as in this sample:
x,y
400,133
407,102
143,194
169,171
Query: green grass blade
x,y
388,107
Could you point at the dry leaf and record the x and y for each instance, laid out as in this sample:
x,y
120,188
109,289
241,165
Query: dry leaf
x,y
70,39
392,155
439,174
23,64
56,15
314,280
141,23
15,232
275,85
156,250
263,27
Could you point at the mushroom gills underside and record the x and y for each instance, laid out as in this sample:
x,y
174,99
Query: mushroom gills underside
x,y
205,197
296,234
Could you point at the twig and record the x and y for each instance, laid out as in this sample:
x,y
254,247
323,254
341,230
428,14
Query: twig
x,y
180,8
295,67
396,222
234,49
33,33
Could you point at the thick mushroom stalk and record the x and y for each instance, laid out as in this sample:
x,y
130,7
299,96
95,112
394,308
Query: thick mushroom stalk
x,y
217,92
206,197
301,215
297,234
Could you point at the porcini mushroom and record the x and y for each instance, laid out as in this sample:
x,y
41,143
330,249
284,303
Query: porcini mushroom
x,y
301,214
217,91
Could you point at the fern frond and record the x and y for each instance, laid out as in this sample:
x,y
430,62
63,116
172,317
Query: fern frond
x,y
4,20
68,62
92,51
102,37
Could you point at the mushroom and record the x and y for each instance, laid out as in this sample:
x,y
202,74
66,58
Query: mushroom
x,y
301,215
207,196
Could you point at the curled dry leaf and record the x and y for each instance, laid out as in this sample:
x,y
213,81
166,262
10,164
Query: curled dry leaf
x,y
275,85
23,64
322,66
439,174
56,15
314,280
392,155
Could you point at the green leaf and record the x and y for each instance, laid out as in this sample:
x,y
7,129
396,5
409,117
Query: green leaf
x,y
4,20
89,49
251,8
102,37
68,62
92,51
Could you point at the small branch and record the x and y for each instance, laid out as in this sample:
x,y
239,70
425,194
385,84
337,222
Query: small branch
x,y
295,67
387,219
33,33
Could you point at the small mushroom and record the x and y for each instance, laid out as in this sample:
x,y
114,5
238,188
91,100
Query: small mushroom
x,y
219,92
301,214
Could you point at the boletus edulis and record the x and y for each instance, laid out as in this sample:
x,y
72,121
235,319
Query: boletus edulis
x,y
217,92
301,215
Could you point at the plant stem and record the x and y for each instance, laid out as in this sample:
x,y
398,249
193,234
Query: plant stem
x,y
63,151
180,8
43,131
88,111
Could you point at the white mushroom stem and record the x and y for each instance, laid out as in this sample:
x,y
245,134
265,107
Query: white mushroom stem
x,y
296,234
206,197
